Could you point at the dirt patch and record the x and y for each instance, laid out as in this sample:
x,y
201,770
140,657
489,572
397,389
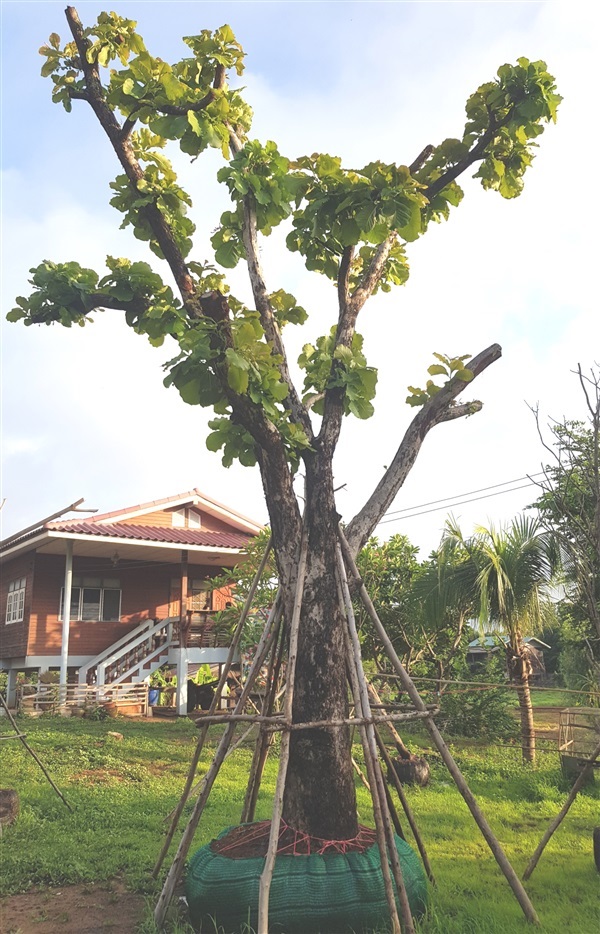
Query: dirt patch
x,y
91,908
96,776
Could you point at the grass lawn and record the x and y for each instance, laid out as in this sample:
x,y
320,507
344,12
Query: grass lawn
x,y
121,790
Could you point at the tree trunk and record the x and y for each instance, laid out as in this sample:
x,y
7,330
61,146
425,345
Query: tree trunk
x,y
519,669
320,795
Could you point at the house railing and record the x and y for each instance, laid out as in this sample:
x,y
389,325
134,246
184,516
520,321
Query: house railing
x,y
133,657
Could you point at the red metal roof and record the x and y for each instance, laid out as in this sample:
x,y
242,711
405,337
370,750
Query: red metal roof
x,y
150,533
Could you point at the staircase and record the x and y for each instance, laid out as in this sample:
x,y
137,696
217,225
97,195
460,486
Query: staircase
x,y
133,657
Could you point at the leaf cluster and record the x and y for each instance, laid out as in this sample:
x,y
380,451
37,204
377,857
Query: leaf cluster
x,y
328,366
448,367
66,293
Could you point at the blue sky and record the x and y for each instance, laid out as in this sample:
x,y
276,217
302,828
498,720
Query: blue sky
x,y
85,413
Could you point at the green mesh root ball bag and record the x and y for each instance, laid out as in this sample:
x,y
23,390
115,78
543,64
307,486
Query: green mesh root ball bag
x,y
320,893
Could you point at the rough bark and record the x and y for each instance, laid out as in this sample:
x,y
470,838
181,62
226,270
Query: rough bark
x,y
320,795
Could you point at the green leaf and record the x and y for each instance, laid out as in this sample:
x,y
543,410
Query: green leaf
x,y
128,85
436,369
237,379
227,254
465,374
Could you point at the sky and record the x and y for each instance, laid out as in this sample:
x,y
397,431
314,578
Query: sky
x,y
85,413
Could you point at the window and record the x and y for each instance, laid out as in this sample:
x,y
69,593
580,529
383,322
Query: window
x,y
15,604
94,599
186,519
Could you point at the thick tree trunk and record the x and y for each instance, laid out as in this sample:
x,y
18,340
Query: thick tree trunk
x,y
519,670
320,794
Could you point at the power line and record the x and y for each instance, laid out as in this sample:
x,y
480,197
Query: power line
x,y
483,489
463,502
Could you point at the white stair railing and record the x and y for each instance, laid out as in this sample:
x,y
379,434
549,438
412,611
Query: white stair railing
x,y
141,650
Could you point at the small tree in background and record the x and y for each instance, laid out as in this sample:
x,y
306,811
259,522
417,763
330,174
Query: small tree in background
x,y
513,569
351,226
569,508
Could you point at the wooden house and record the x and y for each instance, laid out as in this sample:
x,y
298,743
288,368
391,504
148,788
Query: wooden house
x,y
481,649
110,598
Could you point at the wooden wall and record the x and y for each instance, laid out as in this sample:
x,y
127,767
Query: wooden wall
x,y
13,636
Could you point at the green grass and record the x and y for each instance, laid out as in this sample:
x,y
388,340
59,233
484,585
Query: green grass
x,y
121,791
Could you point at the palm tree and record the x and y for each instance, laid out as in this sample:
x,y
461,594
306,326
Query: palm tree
x,y
444,599
515,567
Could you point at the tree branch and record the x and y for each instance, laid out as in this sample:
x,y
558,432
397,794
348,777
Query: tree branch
x,y
350,307
421,159
437,409
95,96
263,306
474,155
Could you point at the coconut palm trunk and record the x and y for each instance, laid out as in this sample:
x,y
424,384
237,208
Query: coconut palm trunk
x,y
519,669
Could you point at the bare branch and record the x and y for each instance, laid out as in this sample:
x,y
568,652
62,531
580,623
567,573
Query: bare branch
x,y
344,278
436,410
263,306
421,159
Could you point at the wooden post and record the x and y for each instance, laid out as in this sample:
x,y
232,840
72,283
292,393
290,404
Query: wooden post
x,y
284,755
579,782
183,601
408,685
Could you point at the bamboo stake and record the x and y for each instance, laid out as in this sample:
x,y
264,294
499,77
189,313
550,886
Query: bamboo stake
x,y
408,685
177,865
21,736
581,778
380,809
213,706
199,785
267,873
400,746
405,806
371,784
278,723
361,775
265,740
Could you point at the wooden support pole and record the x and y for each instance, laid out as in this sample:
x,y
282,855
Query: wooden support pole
x,y
215,701
555,824
200,785
408,685
378,791
405,806
400,746
284,755
265,740
21,736
178,863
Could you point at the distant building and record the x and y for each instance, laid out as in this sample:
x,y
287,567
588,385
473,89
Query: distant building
x,y
480,650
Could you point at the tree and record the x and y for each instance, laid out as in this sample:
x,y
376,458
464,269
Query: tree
x,y
351,226
387,569
514,567
569,507
444,599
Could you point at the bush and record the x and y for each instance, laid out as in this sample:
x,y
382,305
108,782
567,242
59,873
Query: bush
x,y
483,713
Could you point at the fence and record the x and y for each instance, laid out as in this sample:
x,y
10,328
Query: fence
x,y
127,699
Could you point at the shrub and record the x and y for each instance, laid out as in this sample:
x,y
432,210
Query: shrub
x,y
483,712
